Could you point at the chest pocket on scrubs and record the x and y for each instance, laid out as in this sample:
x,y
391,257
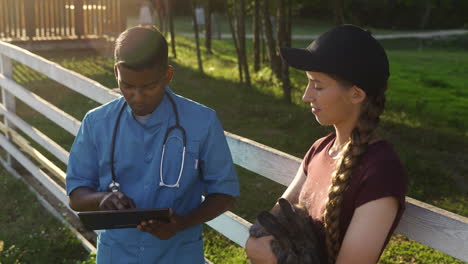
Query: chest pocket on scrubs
x,y
173,161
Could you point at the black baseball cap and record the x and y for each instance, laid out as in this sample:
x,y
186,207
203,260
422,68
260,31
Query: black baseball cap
x,y
348,51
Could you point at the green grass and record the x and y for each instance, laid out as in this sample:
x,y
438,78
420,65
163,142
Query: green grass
x,y
426,119
28,233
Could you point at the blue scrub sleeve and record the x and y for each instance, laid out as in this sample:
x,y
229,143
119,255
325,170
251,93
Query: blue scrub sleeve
x,y
217,168
82,170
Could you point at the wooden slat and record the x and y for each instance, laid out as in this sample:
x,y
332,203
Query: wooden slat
x,y
79,20
50,17
36,135
47,18
11,18
232,226
50,184
30,21
50,111
72,19
66,11
11,13
65,18
42,14
17,17
115,21
89,17
8,18
72,80
85,18
53,17
435,227
34,153
4,16
268,162
99,17
120,19
2,23
37,11
23,19
60,17
105,18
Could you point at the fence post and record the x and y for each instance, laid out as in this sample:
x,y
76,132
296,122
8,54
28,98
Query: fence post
x,y
79,19
8,100
122,13
30,17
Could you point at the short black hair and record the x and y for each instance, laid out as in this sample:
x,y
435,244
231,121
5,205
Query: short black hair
x,y
141,47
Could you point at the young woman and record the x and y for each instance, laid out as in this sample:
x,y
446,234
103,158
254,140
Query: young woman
x,y
350,180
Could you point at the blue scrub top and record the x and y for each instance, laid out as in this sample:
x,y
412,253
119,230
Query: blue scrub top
x,y
208,168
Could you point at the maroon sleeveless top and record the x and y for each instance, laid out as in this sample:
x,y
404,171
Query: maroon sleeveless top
x,y
379,174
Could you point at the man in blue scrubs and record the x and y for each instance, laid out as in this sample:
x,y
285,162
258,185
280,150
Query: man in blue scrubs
x,y
148,110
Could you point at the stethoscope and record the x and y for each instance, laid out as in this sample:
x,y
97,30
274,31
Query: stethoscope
x,y
114,186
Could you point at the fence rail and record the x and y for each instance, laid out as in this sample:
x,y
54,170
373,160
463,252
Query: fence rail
x,y
60,19
424,223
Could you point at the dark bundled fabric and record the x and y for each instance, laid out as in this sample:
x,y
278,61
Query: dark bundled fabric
x,y
295,237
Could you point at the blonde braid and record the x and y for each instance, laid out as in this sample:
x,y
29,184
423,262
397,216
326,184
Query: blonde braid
x,y
361,135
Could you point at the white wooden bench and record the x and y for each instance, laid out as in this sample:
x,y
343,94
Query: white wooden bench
x,y
429,225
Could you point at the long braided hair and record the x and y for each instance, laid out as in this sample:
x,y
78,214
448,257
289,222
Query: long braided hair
x,y
361,135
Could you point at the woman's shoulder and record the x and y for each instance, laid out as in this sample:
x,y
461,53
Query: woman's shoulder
x,y
381,150
380,174
382,159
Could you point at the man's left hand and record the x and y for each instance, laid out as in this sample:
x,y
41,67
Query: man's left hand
x,y
163,229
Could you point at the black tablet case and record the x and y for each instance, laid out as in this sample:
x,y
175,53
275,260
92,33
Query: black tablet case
x,y
95,220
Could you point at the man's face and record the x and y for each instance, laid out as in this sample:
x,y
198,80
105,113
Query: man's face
x,y
143,89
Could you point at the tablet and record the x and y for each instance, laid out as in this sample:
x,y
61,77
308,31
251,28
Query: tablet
x,y
95,220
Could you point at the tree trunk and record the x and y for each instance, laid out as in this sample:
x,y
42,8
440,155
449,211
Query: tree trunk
x,y
256,36
283,41
159,8
241,38
208,26
275,62
170,6
338,11
234,38
217,23
263,44
426,14
197,41
289,25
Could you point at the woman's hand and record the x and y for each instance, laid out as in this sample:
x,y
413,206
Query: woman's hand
x,y
259,250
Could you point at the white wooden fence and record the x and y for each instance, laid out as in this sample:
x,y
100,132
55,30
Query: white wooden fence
x,y
424,223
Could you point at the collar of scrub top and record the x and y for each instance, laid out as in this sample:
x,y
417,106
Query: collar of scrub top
x,y
160,115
